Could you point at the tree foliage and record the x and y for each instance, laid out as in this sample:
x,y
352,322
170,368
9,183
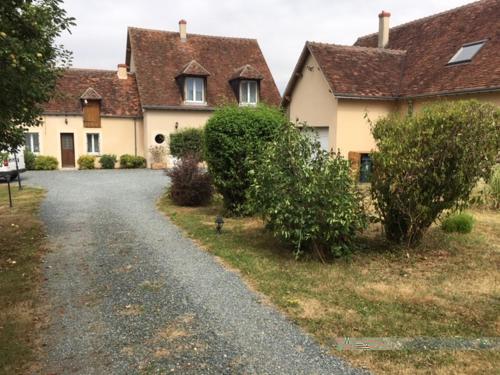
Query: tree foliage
x,y
187,142
430,162
29,63
305,195
233,137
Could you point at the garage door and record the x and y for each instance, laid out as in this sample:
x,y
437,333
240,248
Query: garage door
x,y
321,134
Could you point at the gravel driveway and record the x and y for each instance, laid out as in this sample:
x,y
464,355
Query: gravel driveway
x,y
129,294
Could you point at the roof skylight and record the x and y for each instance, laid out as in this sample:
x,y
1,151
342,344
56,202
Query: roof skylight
x,y
466,52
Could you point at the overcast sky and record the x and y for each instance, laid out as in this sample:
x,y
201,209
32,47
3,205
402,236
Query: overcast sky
x,y
280,26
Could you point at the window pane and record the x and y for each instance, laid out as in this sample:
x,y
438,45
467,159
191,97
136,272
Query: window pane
x,y
36,142
96,143
244,92
199,89
190,89
27,141
466,53
253,92
89,143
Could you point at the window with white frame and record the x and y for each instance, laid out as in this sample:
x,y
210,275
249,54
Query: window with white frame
x,y
249,92
32,142
93,143
195,90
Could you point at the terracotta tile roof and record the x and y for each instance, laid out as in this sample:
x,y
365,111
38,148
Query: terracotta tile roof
x,y
247,72
159,56
194,68
432,41
119,96
415,62
359,71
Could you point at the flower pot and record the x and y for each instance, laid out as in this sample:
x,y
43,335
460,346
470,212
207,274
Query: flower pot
x,y
158,165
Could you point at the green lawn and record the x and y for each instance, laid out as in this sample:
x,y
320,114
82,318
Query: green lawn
x,y
20,245
448,287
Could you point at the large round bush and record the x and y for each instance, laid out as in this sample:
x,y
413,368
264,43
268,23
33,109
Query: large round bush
x,y
233,137
305,195
430,162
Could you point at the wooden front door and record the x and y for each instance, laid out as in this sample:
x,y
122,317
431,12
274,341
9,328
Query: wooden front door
x,y
67,150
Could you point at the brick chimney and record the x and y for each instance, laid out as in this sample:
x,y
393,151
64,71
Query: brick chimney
x,y
383,29
183,30
122,71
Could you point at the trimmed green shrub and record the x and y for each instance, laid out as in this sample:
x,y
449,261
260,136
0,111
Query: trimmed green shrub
x,y
305,195
459,222
187,142
494,187
107,161
29,160
233,137
191,186
131,161
46,163
86,162
430,162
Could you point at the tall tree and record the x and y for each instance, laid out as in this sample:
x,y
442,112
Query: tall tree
x,y
30,62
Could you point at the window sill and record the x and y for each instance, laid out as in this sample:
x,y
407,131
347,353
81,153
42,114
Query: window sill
x,y
248,104
201,104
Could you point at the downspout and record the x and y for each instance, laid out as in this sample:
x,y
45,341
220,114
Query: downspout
x,y
135,136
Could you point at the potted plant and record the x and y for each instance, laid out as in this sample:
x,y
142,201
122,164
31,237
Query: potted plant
x,y
158,154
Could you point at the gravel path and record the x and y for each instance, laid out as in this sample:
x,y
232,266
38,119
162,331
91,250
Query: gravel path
x,y
130,295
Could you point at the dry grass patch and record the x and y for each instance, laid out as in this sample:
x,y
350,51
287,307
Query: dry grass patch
x,y
446,287
20,252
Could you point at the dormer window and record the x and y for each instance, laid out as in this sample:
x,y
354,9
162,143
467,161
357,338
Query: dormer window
x,y
249,92
195,90
192,81
91,103
466,52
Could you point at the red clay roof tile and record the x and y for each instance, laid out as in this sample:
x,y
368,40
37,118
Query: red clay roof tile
x,y
119,97
159,56
432,41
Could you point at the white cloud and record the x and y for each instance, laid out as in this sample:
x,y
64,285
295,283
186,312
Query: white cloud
x,y
281,26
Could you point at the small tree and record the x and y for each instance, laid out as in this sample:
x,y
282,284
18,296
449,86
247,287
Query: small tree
x,y
191,186
233,137
430,162
187,142
305,195
29,63
158,153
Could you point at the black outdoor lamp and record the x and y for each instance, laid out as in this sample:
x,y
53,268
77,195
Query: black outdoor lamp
x,y
219,222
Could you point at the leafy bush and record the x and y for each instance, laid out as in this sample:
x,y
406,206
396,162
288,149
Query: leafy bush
x,y
107,161
233,137
187,142
431,162
29,160
46,163
191,186
306,196
86,162
460,222
494,186
131,161
158,153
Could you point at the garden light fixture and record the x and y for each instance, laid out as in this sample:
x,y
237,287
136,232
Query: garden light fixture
x,y
219,222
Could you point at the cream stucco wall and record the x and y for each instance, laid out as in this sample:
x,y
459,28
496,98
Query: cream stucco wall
x,y
353,129
117,135
164,122
313,102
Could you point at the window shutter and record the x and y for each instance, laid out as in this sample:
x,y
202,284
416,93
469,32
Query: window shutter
x,y
92,114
